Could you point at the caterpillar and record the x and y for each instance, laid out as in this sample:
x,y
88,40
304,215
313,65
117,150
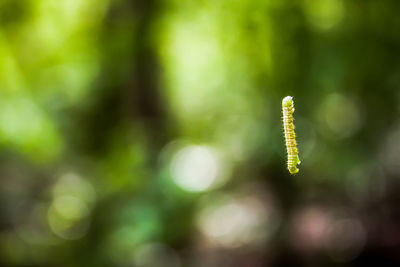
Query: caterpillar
x,y
290,137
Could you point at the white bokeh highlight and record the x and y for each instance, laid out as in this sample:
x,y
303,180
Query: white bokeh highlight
x,y
196,168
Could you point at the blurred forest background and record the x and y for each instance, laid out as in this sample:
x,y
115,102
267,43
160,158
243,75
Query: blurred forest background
x,y
148,133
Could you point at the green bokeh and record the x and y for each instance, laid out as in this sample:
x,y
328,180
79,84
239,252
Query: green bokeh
x,y
109,108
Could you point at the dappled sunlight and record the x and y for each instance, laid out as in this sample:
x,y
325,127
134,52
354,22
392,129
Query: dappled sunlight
x,y
68,217
238,220
342,116
27,127
197,168
69,213
324,14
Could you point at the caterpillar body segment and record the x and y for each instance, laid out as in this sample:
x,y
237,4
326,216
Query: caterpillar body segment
x,y
290,137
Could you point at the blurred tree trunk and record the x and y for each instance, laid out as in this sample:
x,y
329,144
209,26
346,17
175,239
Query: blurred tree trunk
x,y
130,93
146,98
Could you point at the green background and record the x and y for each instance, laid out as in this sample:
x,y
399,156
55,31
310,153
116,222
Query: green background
x,y
149,133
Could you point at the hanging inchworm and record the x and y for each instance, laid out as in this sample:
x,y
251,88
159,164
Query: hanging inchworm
x,y
290,137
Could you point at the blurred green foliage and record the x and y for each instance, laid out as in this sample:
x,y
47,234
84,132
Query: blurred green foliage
x,y
148,132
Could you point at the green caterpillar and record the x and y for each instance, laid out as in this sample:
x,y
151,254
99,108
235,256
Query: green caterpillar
x,y
290,137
